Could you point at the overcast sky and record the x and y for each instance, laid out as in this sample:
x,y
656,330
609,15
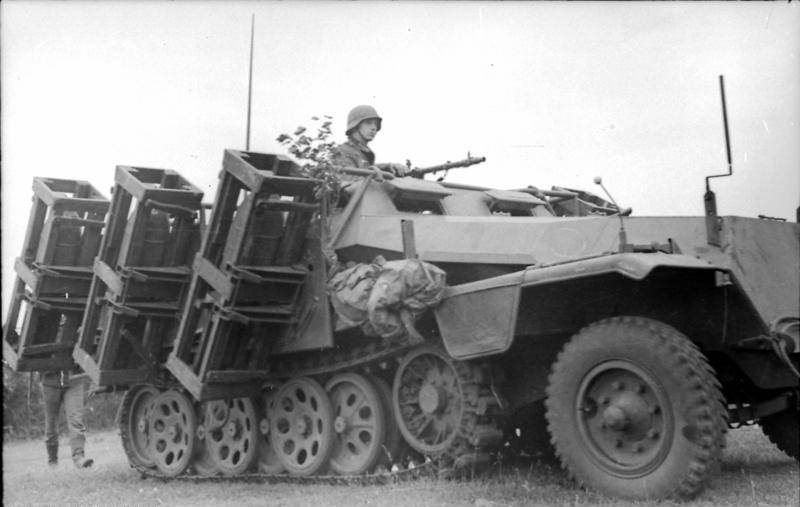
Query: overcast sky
x,y
551,93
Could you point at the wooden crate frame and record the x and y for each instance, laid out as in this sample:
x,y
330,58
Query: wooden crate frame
x,y
53,274
241,304
137,290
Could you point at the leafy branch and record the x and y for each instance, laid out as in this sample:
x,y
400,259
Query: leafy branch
x,y
315,155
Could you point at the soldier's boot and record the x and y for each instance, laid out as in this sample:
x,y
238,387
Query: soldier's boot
x,y
82,461
52,455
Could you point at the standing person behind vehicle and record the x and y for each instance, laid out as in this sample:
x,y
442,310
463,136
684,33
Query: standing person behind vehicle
x,y
65,388
363,124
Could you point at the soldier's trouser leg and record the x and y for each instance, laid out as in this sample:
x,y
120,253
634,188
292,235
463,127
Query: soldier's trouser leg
x,y
74,408
52,397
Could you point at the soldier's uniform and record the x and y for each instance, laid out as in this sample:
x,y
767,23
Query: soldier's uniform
x,y
65,388
353,154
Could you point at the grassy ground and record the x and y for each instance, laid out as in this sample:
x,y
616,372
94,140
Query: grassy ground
x,y
753,473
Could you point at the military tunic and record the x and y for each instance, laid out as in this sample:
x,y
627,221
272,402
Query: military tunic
x,y
353,154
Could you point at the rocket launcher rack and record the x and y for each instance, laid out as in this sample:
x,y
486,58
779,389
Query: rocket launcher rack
x,y
54,274
248,286
141,276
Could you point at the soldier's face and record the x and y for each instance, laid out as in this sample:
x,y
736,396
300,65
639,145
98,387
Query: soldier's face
x,y
368,129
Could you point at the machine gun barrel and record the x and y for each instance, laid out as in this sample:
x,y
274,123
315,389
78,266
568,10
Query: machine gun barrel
x,y
419,172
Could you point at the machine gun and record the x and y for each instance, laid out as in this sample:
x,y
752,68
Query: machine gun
x,y
419,172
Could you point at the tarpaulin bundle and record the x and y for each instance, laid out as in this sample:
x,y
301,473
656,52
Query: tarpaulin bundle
x,y
385,297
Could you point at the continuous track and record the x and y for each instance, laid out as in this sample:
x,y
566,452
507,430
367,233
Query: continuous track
x,y
478,431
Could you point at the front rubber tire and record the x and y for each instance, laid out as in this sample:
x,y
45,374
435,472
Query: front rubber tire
x,y
634,410
782,430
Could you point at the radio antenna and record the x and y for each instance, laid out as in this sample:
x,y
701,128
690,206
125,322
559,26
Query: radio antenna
x,y
250,81
709,199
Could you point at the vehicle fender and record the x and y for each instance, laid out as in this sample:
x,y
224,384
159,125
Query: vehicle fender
x,y
479,318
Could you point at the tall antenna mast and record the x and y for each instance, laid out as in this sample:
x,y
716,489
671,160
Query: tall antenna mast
x,y
709,199
250,81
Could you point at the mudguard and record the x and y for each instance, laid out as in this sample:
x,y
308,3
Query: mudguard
x,y
479,318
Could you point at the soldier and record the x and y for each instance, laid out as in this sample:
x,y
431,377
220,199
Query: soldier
x,y
65,388
363,124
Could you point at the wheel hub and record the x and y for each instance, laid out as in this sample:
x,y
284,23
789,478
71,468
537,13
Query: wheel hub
x,y
301,425
432,399
339,424
614,417
619,408
173,433
230,429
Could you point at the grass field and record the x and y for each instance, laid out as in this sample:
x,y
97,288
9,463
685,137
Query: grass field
x,y
753,473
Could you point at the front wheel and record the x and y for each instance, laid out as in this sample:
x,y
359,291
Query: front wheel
x,y
634,410
782,430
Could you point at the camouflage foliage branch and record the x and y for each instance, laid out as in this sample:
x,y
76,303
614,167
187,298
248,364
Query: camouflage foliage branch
x,y
315,155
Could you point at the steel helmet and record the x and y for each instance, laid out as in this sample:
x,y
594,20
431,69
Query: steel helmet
x,y
359,114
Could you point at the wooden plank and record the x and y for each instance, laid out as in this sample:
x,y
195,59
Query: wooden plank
x,y
133,239
45,348
216,234
249,176
184,339
107,276
116,221
9,328
227,391
33,233
124,377
109,345
185,375
238,231
218,280
214,344
92,237
235,376
99,205
26,275
87,363
9,354
42,364
47,242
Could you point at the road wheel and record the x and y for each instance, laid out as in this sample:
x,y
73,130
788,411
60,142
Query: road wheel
x,y
232,435
301,431
392,439
173,426
359,424
634,410
782,430
267,460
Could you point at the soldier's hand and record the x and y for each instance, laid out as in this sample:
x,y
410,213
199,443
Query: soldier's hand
x,y
398,169
378,174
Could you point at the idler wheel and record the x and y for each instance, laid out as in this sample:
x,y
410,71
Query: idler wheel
x,y
134,425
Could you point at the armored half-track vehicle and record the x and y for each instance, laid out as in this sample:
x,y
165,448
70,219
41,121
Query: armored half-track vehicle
x,y
410,321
